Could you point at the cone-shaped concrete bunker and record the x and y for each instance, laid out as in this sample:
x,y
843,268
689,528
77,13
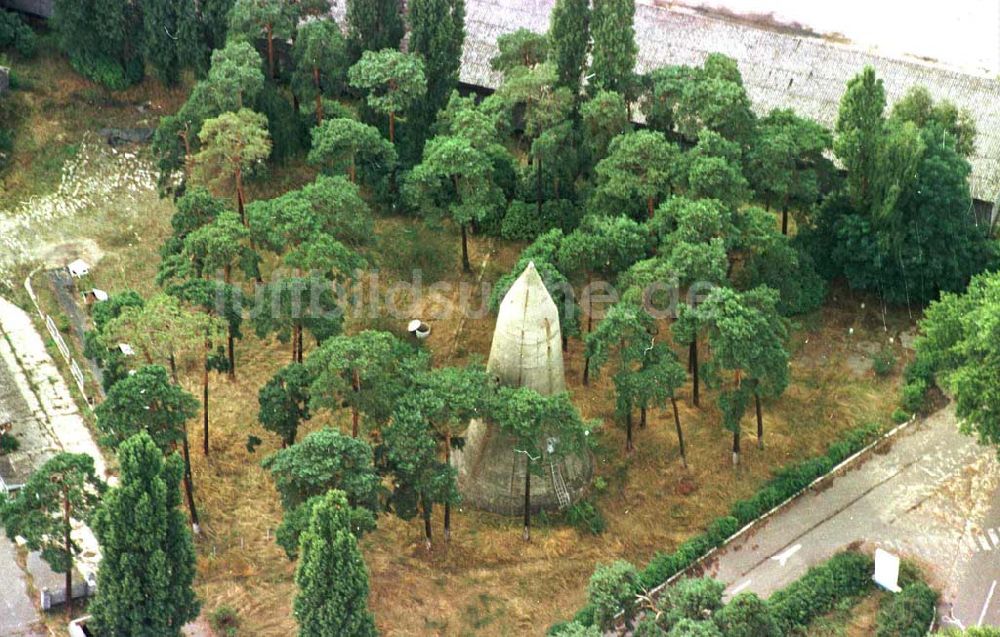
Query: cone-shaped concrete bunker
x,y
526,352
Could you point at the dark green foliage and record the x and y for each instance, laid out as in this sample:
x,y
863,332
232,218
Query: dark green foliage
x,y
172,37
819,590
522,223
907,614
284,402
296,520
146,402
8,443
144,538
324,460
15,34
614,49
958,351
523,47
331,575
691,599
612,590
288,136
320,58
884,362
373,25
437,33
103,39
781,265
569,41
573,629
746,615
225,621
586,517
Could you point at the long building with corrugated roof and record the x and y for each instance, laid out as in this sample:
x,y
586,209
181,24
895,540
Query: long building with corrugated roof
x,y
781,68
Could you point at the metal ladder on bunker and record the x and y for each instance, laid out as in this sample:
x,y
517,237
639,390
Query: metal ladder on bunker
x,y
562,493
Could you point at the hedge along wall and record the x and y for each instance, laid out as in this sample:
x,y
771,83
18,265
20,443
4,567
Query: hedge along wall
x,y
786,483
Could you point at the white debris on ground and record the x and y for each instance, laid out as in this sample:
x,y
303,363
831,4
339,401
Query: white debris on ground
x,y
96,175
23,351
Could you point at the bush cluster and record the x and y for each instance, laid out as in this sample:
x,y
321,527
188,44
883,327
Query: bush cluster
x,y
15,34
907,614
819,590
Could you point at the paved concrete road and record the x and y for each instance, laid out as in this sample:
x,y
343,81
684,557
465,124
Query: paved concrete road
x,y
925,499
975,600
18,616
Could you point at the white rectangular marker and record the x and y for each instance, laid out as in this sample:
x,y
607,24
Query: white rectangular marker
x,y
993,537
982,542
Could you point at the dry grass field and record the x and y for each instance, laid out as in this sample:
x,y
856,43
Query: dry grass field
x,y
487,581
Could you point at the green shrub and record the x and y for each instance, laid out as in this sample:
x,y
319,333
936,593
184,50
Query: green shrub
x,y
899,416
914,395
14,33
523,223
819,590
586,517
573,629
612,590
224,621
8,444
884,362
907,614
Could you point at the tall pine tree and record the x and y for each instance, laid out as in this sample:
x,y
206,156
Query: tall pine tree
x,y
373,25
569,40
148,561
331,575
614,49
437,32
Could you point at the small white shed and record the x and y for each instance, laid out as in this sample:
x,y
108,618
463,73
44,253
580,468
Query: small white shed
x,y
78,268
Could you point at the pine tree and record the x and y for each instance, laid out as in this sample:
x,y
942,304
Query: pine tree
x,y
331,575
569,40
148,561
373,25
614,49
437,32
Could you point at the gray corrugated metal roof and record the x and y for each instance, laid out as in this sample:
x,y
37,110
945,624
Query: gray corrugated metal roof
x,y
779,69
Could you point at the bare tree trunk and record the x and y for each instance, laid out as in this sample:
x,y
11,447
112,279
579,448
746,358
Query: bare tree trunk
x,y
427,521
447,504
527,498
355,417
204,399
239,195
784,221
760,422
736,445
466,267
189,485
231,347
319,96
694,370
649,206
538,186
392,128
680,433
68,545
628,431
642,417
269,29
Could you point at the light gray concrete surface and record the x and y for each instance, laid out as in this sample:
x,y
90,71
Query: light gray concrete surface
x,y
926,499
18,616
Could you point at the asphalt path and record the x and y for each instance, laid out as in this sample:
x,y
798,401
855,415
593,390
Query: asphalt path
x,y
18,616
932,497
